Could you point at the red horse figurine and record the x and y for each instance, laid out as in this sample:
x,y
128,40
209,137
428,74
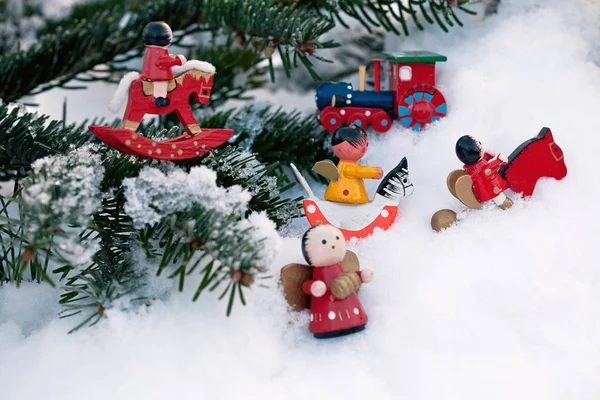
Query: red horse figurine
x,y
536,158
539,157
484,178
195,78
163,75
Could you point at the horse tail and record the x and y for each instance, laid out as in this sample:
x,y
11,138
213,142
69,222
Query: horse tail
x,y
122,91
396,183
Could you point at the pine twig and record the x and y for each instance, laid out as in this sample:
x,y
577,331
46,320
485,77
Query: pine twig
x,y
60,56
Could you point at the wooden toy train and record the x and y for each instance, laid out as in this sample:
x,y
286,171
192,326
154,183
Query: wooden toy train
x,y
412,96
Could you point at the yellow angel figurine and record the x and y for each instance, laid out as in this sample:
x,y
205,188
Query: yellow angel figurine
x,y
349,143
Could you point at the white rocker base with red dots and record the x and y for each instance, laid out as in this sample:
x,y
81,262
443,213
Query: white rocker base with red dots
x,y
356,221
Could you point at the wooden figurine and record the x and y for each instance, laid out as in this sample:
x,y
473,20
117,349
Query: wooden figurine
x,y
485,177
412,96
325,286
359,217
157,64
482,181
349,143
164,86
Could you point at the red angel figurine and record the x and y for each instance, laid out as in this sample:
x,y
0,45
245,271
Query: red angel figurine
x,y
330,286
482,166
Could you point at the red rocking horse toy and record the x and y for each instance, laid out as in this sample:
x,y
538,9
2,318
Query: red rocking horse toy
x,y
536,158
164,86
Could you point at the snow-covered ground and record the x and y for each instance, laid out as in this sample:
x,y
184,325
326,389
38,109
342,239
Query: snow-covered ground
x,y
504,306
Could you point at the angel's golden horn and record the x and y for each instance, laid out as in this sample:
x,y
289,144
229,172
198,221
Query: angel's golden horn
x,y
362,70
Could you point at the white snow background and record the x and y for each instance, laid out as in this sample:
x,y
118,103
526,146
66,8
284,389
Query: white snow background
x,y
505,305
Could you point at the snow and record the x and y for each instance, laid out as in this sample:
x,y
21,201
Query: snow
x,y
152,195
264,230
506,305
17,31
78,173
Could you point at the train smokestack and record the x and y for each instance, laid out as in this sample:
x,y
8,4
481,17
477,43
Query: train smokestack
x,y
362,70
377,74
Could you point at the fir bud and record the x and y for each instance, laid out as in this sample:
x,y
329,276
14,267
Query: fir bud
x,y
308,48
236,276
28,254
269,50
247,279
240,39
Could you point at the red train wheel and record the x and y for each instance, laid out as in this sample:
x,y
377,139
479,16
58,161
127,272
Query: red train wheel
x,y
421,105
358,119
331,119
381,122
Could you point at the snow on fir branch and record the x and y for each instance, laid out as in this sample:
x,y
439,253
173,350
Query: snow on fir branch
x,y
156,196
235,166
153,194
248,121
65,187
189,223
247,171
263,231
60,195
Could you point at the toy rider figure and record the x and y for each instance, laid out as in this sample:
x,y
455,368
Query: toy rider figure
x,y
157,60
482,167
349,143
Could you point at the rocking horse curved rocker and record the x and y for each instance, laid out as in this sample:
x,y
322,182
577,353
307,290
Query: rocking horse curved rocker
x,y
164,86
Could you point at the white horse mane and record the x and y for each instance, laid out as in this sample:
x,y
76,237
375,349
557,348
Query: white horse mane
x,y
194,64
123,89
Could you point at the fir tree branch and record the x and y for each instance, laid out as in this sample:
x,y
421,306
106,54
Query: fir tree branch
x,y
390,15
277,138
274,137
235,166
60,56
238,71
112,275
16,256
281,137
225,250
221,250
26,137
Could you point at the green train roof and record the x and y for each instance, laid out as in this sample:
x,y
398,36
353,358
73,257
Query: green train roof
x,y
414,57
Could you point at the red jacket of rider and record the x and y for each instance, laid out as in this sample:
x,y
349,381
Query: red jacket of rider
x,y
487,181
158,63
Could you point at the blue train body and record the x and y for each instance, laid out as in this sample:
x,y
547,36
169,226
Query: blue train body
x,y
346,96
